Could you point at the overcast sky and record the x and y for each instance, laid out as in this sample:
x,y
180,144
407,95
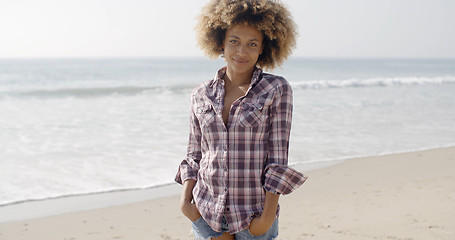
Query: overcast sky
x,y
328,28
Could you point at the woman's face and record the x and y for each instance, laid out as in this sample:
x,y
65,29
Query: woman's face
x,y
242,47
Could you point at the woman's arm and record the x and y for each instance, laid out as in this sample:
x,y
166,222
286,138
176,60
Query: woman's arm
x,y
188,169
188,208
279,178
260,225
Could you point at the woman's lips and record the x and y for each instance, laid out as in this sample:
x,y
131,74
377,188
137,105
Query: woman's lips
x,y
241,61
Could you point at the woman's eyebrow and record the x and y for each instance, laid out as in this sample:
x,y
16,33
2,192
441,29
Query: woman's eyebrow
x,y
234,36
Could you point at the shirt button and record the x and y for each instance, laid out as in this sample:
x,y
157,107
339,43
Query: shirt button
x,y
225,189
228,209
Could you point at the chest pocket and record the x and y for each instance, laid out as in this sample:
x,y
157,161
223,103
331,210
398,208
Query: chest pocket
x,y
253,113
206,115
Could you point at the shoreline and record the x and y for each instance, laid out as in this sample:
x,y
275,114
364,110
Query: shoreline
x,y
396,196
97,200
37,208
33,209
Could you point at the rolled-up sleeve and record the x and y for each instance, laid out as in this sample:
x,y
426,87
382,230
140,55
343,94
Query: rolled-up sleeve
x,y
279,178
189,167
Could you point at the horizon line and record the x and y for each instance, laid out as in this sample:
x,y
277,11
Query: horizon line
x,y
217,59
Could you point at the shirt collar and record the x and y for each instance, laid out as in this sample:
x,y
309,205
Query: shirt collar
x,y
220,74
256,76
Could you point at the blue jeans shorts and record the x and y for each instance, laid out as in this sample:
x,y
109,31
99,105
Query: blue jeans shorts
x,y
201,230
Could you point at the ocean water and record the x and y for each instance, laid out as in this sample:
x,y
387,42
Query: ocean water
x,y
80,126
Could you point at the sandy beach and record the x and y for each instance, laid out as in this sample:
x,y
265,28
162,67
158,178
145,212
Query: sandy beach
x,y
397,196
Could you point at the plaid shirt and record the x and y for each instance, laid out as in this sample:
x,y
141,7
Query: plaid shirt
x,y
235,164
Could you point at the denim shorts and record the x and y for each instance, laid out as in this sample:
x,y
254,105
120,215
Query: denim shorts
x,y
202,230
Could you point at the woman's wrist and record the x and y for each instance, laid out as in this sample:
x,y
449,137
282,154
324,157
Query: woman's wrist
x,y
190,211
188,208
270,205
269,218
187,191
185,199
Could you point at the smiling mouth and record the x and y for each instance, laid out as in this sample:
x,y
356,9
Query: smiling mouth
x,y
240,61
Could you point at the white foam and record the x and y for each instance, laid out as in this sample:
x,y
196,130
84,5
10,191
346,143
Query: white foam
x,y
373,82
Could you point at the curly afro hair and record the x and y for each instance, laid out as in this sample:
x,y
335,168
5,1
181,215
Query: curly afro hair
x,y
268,16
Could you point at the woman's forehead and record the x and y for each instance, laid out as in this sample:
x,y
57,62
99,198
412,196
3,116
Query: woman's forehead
x,y
244,31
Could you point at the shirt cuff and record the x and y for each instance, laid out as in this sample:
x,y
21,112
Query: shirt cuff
x,y
186,171
282,179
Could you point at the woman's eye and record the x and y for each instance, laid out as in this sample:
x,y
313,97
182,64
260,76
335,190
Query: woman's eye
x,y
233,41
253,44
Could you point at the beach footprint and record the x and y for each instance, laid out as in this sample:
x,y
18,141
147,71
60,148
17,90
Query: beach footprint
x,y
165,237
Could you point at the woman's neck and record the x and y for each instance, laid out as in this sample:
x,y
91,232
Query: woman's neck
x,y
238,79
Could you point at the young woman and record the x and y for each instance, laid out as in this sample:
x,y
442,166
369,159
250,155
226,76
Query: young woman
x,y
236,166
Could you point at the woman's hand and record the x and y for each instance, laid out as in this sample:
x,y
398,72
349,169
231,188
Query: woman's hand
x,y
260,225
190,210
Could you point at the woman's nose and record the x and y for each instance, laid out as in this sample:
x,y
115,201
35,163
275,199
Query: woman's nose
x,y
241,50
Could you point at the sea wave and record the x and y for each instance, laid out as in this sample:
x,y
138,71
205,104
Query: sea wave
x,y
95,91
373,82
45,196
100,91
